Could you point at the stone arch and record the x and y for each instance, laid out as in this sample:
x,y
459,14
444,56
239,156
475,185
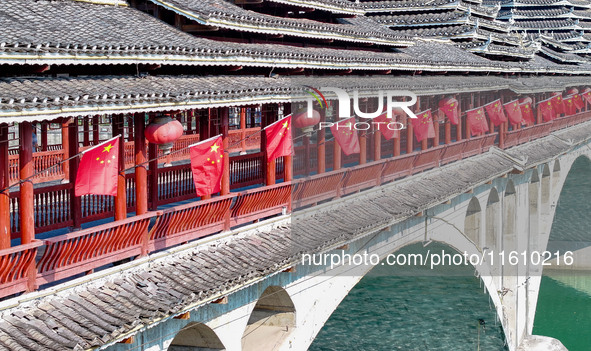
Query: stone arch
x,y
197,337
270,322
555,174
472,222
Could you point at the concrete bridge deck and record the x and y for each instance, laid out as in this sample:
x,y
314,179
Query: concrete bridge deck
x,y
104,308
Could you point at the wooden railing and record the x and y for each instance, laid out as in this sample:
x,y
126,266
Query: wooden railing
x,y
80,252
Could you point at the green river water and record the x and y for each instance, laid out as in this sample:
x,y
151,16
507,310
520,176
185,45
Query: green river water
x,y
391,309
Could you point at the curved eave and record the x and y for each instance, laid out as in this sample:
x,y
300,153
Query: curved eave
x,y
322,6
560,58
463,20
297,32
517,4
485,50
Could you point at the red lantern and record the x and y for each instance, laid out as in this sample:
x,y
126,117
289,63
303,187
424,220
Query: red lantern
x,y
572,91
301,120
164,130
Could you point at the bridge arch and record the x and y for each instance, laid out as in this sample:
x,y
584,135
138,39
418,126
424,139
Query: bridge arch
x,y
271,321
196,336
545,191
473,221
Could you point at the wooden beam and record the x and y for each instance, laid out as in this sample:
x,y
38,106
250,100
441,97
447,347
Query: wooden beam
x,y
198,28
183,316
291,269
221,301
129,340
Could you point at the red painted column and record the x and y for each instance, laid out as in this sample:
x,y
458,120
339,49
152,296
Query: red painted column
x,y
459,126
75,201
26,169
436,127
95,130
86,132
288,160
4,192
447,127
363,143
189,115
268,116
65,146
141,171
243,129
409,136
203,123
337,154
153,176
44,135
120,204
377,137
321,145
225,127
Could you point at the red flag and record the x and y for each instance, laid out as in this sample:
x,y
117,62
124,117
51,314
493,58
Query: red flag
x,y
513,111
495,112
346,135
207,165
279,138
423,125
587,96
579,103
527,113
558,105
450,108
569,106
547,110
477,121
98,168
389,127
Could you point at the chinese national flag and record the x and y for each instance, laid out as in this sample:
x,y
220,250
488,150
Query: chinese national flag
x,y
579,103
569,106
346,135
387,126
450,108
423,125
513,111
558,105
587,96
495,112
527,113
547,110
279,141
207,165
98,168
477,120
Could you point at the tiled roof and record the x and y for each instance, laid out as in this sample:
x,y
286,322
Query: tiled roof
x,y
424,19
545,13
528,3
489,48
224,14
568,36
425,5
547,24
562,56
334,6
49,98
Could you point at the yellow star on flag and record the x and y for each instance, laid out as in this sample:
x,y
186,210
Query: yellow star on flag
x,y
215,147
108,148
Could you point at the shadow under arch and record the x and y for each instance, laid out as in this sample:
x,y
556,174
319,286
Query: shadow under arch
x,y
270,322
196,337
414,307
473,221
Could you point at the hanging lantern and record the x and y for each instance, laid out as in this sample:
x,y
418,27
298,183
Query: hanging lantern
x,y
301,120
526,100
164,130
572,91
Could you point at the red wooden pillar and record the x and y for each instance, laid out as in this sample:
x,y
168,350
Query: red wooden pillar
x,y
337,154
141,170
447,127
130,128
75,201
396,142
26,169
95,130
321,145
225,127
363,143
243,129
120,205
436,127
377,136
190,122
459,125
44,135
409,136
65,146
153,176
268,116
288,160
4,192
86,132
203,125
